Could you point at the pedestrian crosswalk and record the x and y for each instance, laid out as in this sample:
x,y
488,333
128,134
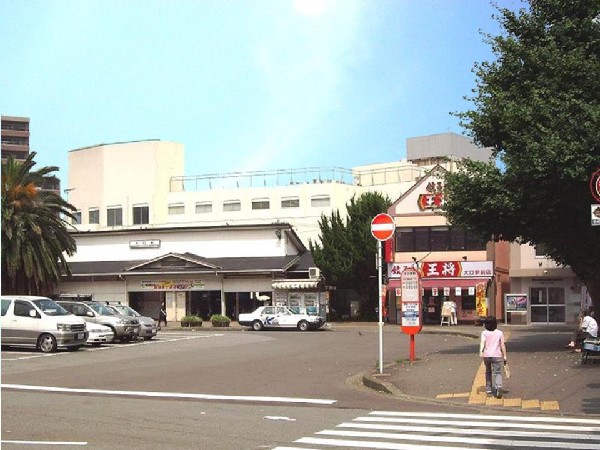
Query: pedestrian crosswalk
x,y
394,430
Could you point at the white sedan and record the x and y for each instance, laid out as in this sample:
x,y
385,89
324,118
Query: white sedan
x,y
99,334
280,317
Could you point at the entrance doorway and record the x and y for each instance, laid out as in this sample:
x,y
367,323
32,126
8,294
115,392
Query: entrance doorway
x,y
547,305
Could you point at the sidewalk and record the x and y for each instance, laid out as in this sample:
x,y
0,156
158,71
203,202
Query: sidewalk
x,y
545,379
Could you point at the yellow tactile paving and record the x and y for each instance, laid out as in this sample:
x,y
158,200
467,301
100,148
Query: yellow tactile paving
x,y
455,395
461,395
493,401
514,402
478,396
477,399
526,404
550,406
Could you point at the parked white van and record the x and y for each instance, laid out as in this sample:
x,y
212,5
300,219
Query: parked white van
x,y
39,322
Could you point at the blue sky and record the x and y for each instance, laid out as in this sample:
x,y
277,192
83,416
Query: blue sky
x,y
244,85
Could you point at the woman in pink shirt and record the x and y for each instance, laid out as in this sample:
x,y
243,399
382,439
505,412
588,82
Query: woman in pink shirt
x,y
493,351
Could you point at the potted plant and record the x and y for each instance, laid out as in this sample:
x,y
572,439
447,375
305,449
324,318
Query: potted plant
x,y
219,320
191,321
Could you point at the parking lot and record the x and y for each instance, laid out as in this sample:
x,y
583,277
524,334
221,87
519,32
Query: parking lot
x,y
19,353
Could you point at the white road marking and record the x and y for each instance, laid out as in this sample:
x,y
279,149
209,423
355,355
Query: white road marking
x,y
499,423
280,418
452,439
393,431
492,417
483,432
244,398
107,346
42,443
377,444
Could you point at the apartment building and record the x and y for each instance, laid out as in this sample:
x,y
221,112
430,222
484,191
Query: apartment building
x,y
15,137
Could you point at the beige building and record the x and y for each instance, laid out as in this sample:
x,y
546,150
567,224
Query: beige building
x,y
142,184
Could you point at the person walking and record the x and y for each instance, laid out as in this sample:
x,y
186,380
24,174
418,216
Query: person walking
x,y
588,328
162,315
492,349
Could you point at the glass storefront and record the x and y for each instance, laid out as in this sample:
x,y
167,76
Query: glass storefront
x,y
547,304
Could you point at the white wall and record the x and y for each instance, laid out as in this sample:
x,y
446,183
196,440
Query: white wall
x,y
211,243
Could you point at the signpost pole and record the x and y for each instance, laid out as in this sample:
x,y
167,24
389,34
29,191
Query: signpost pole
x,y
382,229
379,283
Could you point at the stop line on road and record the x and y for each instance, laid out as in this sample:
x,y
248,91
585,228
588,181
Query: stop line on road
x,y
429,431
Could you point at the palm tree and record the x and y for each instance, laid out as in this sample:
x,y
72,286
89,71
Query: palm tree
x,y
35,235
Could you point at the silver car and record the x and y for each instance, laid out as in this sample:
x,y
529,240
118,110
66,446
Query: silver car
x,y
125,329
148,328
41,323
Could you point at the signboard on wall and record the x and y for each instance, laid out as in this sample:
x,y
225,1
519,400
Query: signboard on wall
x,y
445,269
172,285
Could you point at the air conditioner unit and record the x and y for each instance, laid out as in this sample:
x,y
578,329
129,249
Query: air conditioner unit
x,y
314,273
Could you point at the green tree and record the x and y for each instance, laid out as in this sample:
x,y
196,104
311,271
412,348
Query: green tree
x,y
346,252
537,106
35,237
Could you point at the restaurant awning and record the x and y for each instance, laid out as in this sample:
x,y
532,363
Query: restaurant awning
x,y
295,284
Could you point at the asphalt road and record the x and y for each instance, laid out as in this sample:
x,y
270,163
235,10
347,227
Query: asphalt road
x,y
205,389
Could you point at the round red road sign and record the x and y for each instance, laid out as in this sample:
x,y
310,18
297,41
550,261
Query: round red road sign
x,y
382,227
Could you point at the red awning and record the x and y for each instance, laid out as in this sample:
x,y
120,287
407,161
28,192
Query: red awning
x,y
451,282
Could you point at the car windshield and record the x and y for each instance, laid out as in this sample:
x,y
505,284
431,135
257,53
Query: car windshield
x,y
102,310
50,308
124,309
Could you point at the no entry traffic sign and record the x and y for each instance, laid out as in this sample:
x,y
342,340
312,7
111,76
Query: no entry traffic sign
x,y
382,227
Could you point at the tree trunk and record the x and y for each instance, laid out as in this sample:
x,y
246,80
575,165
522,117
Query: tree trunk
x,y
593,287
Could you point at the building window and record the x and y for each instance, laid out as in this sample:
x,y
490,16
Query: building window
x,y
290,202
203,207
261,203
436,239
94,215
114,216
440,239
176,208
77,218
232,205
141,214
320,201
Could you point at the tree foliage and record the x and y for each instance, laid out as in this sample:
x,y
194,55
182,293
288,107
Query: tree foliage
x,y
347,249
34,234
537,106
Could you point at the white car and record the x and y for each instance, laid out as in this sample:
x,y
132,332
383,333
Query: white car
x,y
99,334
280,317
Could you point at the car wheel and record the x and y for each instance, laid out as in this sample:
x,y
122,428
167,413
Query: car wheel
x,y
124,339
257,325
73,348
303,325
47,343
